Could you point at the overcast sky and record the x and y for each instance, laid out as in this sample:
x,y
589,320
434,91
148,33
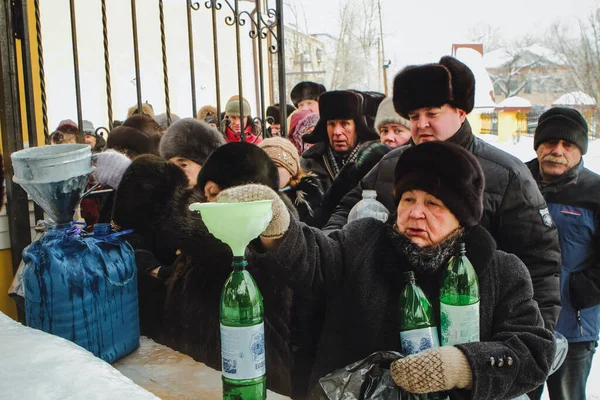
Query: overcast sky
x,y
422,31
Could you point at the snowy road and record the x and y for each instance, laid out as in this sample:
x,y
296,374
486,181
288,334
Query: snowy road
x,y
524,151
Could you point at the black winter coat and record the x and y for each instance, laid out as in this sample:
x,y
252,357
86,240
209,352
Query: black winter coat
x,y
359,271
306,196
513,213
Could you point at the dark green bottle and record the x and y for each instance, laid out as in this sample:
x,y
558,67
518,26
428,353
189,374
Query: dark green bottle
x,y
418,330
459,301
242,336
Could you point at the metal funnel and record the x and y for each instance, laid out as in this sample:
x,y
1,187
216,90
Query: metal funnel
x,y
58,199
54,176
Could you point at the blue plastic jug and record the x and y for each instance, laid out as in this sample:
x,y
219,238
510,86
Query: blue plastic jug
x,y
84,288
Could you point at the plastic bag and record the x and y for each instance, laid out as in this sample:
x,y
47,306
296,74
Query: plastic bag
x,y
367,379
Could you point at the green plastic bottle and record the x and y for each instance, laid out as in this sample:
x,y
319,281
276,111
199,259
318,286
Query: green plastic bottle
x,y
459,301
418,330
242,336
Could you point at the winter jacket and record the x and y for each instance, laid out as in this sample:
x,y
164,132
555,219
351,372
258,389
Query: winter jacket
x,y
251,137
306,196
513,213
358,270
574,204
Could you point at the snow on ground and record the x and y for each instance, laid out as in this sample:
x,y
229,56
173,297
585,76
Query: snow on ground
x,y
524,151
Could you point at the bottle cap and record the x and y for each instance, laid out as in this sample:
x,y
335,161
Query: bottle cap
x,y
409,276
369,194
460,248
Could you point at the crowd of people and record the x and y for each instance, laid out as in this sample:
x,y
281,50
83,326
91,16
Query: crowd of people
x,y
330,287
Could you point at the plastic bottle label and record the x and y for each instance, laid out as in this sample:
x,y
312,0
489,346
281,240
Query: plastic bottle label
x,y
417,340
243,351
459,324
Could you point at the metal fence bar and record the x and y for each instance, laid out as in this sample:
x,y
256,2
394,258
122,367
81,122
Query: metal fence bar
x,y
259,39
107,66
281,67
238,48
188,8
40,52
214,6
163,43
136,55
12,139
76,64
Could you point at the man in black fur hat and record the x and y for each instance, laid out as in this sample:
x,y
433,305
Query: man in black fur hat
x,y
436,98
338,137
305,95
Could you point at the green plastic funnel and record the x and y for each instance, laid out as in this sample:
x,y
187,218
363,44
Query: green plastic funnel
x,y
235,224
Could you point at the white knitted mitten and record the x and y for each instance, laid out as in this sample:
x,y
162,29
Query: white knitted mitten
x,y
254,192
110,167
434,370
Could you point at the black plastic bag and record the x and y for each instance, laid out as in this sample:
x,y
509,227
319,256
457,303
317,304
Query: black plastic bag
x,y
367,379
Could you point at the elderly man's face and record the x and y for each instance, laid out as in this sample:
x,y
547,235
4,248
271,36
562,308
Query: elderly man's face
x,y
91,140
557,157
342,135
424,219
435,123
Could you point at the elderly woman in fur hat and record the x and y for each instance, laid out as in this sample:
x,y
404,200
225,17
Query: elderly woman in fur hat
x,y
357,274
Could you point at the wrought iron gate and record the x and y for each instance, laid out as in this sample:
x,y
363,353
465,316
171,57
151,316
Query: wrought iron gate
x,y
260,20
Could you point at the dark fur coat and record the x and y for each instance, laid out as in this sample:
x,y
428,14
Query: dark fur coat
x,y
306,196
191,311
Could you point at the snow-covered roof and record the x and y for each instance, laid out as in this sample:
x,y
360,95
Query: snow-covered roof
x,y
483,83
514,102
575,99
500,57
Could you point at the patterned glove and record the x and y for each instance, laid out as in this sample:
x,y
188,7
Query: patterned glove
x,y
254,192
110,167
434,370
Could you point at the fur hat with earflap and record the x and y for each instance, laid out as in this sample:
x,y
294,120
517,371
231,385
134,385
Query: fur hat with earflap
x,y
341,104
206,111
131,142
306,90
191,139
446,171
147,109
432,85
387,115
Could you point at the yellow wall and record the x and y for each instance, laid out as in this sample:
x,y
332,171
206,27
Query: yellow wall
x,y
7,305
475,121
507,125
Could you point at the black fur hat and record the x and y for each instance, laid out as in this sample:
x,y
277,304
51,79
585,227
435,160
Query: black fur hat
x,y
191,139
274,112
448,172
131,141
145,191
342,104
433,85
238,163
562,123
306,90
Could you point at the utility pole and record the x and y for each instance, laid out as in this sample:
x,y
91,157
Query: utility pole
x,y
382,57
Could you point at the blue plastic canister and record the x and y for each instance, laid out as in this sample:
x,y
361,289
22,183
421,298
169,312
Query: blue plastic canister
x,y
84,288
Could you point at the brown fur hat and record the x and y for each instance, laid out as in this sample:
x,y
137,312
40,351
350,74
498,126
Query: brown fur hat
x,y
132,142
342,104
147,109
143,195
206,111
144,123
306,90
433,85
448,172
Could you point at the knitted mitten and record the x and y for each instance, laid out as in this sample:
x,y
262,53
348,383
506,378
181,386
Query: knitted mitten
x,y
110,167
434,370
254,192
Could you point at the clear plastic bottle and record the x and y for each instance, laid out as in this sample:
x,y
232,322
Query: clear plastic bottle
x,y
368,207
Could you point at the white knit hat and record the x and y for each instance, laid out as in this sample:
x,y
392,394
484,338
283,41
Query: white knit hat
x,y
387,115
